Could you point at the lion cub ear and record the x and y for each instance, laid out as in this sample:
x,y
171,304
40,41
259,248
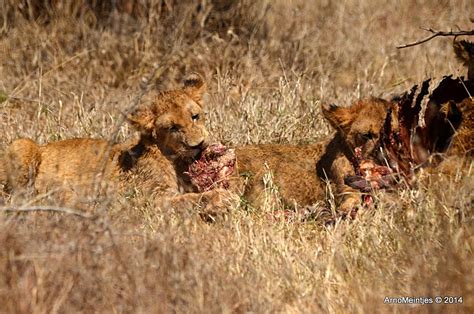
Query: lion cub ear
x,y
340,118
195,87
142,119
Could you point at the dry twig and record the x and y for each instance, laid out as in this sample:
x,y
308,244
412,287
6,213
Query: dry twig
x,y
64,210
436,34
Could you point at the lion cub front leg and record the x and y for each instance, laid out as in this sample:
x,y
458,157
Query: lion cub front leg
x,y
209,204
348,199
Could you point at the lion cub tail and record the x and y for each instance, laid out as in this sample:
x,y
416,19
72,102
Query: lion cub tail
x,y
18,165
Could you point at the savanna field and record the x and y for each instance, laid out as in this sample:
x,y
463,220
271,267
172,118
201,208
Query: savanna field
x,y
73,68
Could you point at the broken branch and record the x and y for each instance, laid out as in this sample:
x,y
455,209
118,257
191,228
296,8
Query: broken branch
x,y
436,34
64,210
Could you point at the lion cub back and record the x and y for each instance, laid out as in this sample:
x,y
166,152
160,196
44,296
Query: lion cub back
x,y
73,162
68,167
288,169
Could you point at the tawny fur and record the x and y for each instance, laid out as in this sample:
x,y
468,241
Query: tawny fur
x,y
463,141
458,159
293,168
464,51
172,134
300,172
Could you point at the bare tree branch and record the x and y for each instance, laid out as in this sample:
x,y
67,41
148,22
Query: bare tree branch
x,y
436,34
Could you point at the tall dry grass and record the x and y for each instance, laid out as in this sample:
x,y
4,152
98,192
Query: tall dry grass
x,y
70,71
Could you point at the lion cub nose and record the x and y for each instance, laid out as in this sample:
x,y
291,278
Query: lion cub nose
x,y
201,146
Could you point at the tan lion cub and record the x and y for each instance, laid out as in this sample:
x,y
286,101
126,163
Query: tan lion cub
x,y
172,134
300,171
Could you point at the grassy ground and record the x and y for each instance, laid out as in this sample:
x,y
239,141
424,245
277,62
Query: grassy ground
x,y
268,65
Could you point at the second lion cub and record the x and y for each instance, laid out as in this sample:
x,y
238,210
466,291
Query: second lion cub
x,y
299,171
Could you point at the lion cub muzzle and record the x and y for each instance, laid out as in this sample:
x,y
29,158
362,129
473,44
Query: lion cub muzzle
x,y
196,150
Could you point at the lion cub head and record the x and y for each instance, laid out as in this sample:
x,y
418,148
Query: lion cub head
x,y
174,120
360,124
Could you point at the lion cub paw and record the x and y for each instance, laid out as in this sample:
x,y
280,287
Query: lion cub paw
x,y
217,204
349,207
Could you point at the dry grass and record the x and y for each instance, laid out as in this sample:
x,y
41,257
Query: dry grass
x,y
269,65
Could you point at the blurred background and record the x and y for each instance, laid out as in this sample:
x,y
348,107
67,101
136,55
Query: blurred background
x,y
268,63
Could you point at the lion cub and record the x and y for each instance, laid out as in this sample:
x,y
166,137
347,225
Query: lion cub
x,y
300,171
172,135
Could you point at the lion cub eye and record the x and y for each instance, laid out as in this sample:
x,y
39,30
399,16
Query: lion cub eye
x,y
195,117
174,128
